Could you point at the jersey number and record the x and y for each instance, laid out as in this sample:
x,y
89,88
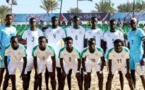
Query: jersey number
x,y
119,60
69,59
76,37
93,60
32,39
54,35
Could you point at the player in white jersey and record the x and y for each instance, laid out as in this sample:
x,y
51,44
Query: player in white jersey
x,y
109,38
95,33
18,59
70,59
118,60
91,58
31,36
77,32
55,36
44,57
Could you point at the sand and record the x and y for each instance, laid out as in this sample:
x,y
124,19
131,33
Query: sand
x,y
94,82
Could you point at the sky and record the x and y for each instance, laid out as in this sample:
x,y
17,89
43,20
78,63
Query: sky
x,y
33,6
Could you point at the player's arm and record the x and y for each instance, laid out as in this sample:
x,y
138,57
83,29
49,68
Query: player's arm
x,y
110,66
85,42
103,62
5,62
61,64
79,64
127,63
84,63
23,40
24,65
143,39
35,64
53,63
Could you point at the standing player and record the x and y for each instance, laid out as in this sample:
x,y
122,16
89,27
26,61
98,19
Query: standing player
x,y
90,58
6,32
70,59
77,32
118,60
16,52
43,54
109,38
95,33
135,38
55,36
31,38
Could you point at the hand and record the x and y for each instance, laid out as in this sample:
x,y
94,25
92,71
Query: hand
x,y
101,75
22,74
77,74
63,73
141,62
128,75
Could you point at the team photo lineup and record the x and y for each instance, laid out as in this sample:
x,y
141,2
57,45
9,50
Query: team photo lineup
x,y
59,52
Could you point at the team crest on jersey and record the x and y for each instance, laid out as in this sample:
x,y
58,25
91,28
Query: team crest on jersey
x,y
19,53
96,54
58,31
122,56
108,35
98,33
37,52
47,53
113,55
80,32
135,33
71,31
73,55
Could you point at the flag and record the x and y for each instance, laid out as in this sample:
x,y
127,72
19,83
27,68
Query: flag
x,y
11,2
85,0
139,1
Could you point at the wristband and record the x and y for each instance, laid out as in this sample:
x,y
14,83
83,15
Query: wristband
x,y
85,73
100,72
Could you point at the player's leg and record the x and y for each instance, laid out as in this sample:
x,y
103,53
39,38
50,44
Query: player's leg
x,y
143,81
86,81
78,76
37,81
59,77
63,76
28,78
69,79
121,80
100,79
46,79
82,75
53,81
109,81
13,79
1,75
24,78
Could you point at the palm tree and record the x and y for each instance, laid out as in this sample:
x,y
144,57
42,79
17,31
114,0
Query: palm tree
x,y
104,7
4,10
49,5
74,10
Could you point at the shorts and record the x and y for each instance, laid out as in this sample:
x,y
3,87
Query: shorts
x,y
135,58
13,66
2,65
29,61
122,69
44,64
68,67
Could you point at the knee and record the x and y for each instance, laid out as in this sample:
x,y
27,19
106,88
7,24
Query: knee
x,y
110,77
24,78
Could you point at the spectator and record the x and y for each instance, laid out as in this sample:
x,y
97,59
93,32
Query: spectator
x,y
119,22
125,23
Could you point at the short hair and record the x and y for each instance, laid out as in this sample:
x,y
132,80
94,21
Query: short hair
x,y
92,39
14,37
9,15
68,38
118,41
94,17
112,20
54,17
42,37
134,19
75,17
31,19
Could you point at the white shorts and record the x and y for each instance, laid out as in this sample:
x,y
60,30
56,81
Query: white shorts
x,y
122,69
68,67
29,61
90,66
13,66
44,64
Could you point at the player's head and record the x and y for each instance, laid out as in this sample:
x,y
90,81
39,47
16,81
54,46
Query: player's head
x,y
14,41
69,42
42,41
54,20
92,42
133,23
76,20
112,23
118,45
32,22
9,19
94,20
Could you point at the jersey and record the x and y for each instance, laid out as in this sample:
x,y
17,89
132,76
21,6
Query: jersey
x,y
118,59
55,38
15,55
97,34
110,37
69,57
32,38
92,57
43,55
5,34
77,35
135,40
